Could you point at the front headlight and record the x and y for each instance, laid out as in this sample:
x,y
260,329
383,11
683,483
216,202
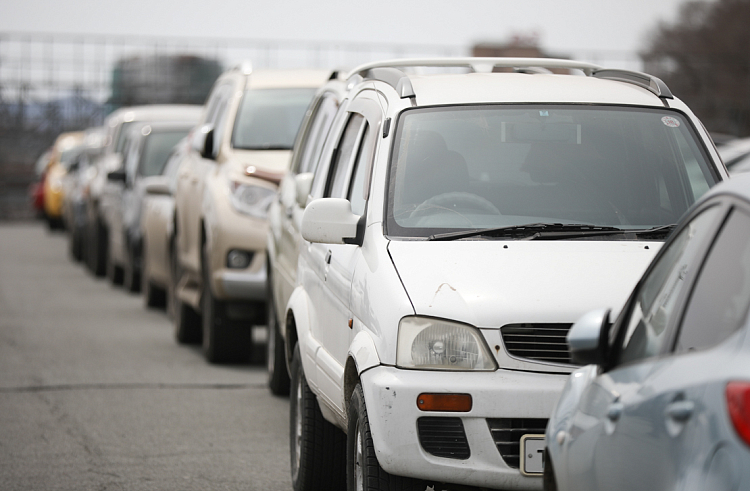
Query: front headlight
x,y
436,344
251,200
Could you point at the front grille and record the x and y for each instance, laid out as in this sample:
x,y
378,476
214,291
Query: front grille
x,y
541,342
443,437
507,433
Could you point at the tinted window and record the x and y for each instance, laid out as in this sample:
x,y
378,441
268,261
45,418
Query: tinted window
x,y
719,302
494,166
646,325
357,186
269,118
343,156
156,150
313,144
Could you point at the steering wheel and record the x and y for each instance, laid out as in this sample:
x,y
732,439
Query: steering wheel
x,y
454,202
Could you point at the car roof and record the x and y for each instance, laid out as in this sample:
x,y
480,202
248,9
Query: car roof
x,y
262,79
527,88
738,185
156,112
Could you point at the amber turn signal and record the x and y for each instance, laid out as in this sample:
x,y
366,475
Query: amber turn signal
x,y
444,402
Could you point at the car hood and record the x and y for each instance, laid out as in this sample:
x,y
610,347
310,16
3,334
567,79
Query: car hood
x,y
489,284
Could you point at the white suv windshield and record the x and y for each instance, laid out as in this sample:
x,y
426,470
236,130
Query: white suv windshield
x,y
477,167
268,119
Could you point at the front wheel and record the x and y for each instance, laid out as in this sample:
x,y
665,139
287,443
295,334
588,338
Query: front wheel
x,y
225,340
317,447
363,471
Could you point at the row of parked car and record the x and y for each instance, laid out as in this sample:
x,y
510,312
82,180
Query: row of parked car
x,y
462,267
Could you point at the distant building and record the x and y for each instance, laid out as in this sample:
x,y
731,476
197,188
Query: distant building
x,y
163,79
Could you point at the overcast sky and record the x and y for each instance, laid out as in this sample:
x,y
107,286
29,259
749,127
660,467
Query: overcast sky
x,y
560,25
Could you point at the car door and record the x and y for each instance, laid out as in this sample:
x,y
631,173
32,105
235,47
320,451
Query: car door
x,y
633,415
285,225
191,185
333,264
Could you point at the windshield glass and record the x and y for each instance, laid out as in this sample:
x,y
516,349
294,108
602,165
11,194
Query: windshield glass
x,y
474,167
157,149
268,119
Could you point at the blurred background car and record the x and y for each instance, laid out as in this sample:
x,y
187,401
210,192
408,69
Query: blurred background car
x,y
110,160
225,184
64,151
284,217
664,399
146,149
157,230
36,188
736,155
74,189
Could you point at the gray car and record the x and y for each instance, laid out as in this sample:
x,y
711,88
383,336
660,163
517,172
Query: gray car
x,y
663,402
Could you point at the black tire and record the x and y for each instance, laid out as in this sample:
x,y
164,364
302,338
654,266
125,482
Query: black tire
x,y
317,448
153,296
225,340
75,245
97,250
114,272
278,376
363,471
131,274
187,322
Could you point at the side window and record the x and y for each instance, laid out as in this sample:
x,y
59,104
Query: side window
x,y
654,305
219,119
719,303
313,144
357,186
338,174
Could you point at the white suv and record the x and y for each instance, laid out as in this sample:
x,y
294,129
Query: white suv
x,y
457,225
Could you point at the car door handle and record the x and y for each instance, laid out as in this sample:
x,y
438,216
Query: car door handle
x,y
328,257
615,411
680,410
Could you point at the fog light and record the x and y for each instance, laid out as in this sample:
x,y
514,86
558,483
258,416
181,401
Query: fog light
x,y
237,259
444,402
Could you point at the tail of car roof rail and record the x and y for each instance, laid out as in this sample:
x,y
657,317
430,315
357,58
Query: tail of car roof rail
x,y
387,71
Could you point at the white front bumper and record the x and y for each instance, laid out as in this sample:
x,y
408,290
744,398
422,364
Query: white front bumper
x,y
391,397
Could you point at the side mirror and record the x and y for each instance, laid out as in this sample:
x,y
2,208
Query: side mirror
x,y
330,221
203,141
303,183
117,176
589,338
157,185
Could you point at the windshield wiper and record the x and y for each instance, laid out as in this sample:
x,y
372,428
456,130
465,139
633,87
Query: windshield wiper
x,y
552,231
526,230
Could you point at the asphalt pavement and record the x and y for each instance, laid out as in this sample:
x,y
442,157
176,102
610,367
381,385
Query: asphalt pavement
x,y
95,394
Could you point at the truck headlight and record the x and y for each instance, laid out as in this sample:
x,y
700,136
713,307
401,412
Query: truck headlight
x,y
437,344
251,200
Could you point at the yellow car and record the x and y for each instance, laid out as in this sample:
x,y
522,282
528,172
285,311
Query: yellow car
x,y
63,151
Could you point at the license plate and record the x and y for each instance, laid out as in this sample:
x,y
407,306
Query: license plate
x,y
532,455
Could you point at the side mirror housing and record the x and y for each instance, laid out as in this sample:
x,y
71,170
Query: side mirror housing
x,y
589,338
117,176
303,183
330,221
157,185
203,141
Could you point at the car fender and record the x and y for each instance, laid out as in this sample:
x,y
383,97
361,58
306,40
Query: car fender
x,y
558,435
364,352
298,309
